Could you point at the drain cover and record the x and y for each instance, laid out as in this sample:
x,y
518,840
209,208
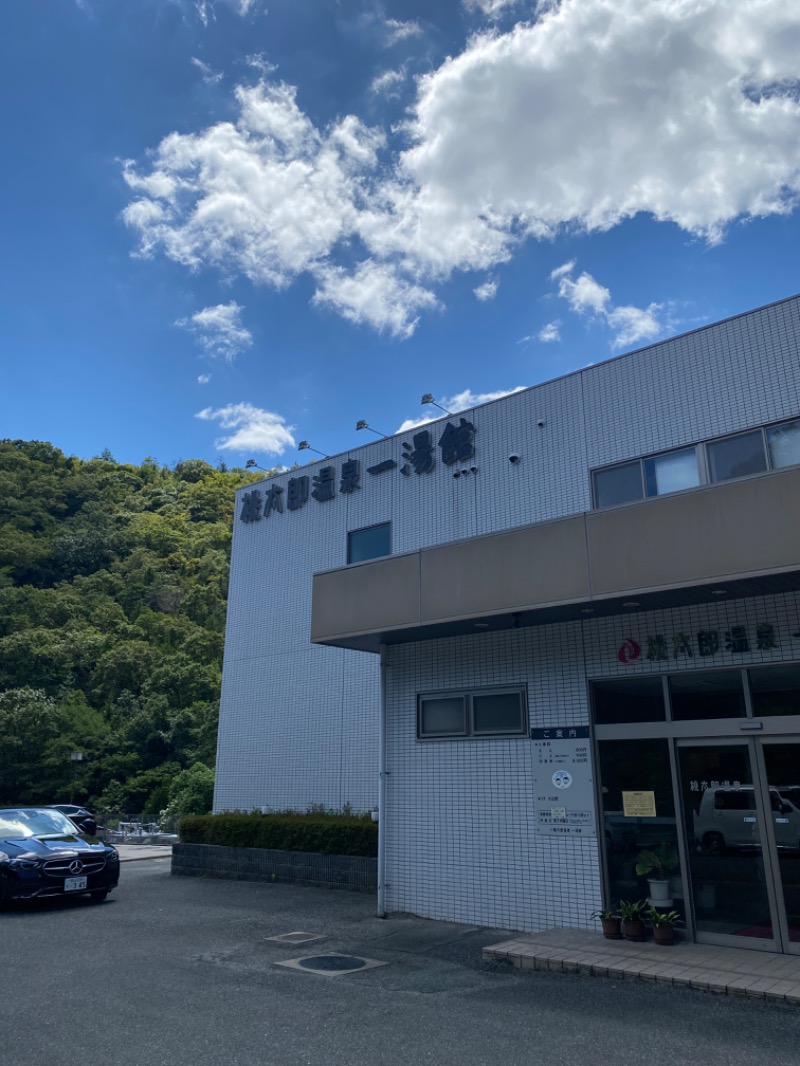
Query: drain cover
x,y
295,938
332,962
331,965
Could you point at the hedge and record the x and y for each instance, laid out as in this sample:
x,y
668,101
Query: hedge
x,y
324,833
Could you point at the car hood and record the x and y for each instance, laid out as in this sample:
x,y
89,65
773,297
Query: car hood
x,y
49,846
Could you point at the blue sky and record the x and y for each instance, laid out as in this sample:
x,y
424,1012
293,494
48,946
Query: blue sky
x,y
230,225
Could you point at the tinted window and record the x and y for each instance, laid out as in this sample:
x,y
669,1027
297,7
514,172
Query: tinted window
x,y
442,716
498,712
734,800
672,472
370,543
784,444
620,484
707,695
775,690
737,456
637,700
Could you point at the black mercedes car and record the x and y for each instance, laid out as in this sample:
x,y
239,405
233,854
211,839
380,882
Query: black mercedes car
x,y
43,854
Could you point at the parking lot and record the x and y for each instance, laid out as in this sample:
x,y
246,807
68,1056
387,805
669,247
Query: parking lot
x,y
184,972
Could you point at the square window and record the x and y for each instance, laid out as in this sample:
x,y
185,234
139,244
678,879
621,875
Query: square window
x,y
618,484
784,444
671,472
371,543
736,456
442,716
498,712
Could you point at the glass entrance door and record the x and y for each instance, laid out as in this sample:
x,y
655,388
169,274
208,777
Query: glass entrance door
x,y
743,840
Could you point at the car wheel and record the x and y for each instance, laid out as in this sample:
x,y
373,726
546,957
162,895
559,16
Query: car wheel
x,y
714,844
99,895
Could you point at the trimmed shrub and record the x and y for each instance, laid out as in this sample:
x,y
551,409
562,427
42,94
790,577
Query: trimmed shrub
x,y
328,834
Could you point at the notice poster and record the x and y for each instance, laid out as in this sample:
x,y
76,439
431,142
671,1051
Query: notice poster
x,y
562,772
639,804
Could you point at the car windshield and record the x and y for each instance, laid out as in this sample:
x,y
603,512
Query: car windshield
x,y
34,822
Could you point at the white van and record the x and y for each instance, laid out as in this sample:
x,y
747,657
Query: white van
x,y
727,819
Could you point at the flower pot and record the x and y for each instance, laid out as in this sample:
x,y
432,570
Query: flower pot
x,y
612,928
659,894
664,934
633,929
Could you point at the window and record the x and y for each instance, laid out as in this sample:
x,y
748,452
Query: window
x,y
775,690
784,444
737,456
497,712
687,468
370,543
671,472
707,695
639,699
619,484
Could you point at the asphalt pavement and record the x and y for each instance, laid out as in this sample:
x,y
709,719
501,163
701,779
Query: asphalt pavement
x,y
183,972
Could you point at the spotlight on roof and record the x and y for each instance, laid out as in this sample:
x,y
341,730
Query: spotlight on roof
x,y
304,446
428,398
361,424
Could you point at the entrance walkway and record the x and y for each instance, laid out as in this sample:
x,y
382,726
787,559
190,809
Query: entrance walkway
x,y
733,971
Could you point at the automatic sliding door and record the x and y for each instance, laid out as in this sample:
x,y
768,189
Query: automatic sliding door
x,y
782,764
725,843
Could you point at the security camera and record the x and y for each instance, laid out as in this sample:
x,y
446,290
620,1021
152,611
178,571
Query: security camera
x,y
541,422
456,473
513,458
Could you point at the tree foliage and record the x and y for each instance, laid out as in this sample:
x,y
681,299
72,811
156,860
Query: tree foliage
x,y
113,585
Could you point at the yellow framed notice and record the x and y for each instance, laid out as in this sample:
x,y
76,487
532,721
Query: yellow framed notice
x,y
639,804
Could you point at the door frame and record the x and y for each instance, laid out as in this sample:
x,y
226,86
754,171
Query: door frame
x,y
780,942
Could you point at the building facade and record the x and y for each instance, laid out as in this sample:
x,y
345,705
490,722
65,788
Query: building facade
x,y
545,637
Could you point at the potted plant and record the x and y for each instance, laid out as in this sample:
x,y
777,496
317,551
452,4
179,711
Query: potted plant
x,y
663,923
632,913
611,922
660,862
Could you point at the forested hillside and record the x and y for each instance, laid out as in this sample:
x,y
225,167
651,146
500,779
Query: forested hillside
x,y
113,582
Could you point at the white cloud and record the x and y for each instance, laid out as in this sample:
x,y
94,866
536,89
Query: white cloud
x,y
203,379
401,31
487,291
219,330
462,401
490,8
209,76
634,324
630,324
374,295
686,110
549,333
386,83
560,271
255,430
585,294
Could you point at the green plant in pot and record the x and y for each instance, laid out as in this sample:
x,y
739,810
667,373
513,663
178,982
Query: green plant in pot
x,y
660,861
611,921
633,913
663,923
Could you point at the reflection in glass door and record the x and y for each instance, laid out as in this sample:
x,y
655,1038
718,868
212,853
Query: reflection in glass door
x,y
782,765
741,812
724,840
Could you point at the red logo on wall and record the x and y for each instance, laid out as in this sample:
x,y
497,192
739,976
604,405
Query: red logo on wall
x,y
628,651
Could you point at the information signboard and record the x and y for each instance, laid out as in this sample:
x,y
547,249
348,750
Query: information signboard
x,y
563,792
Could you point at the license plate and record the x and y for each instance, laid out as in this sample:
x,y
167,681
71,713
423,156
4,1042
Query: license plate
x,y
74,884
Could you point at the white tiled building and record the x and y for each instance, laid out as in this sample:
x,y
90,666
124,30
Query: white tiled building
x,y
615,553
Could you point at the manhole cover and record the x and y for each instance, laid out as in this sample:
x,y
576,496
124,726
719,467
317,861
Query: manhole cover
x,y
332,962
331,965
